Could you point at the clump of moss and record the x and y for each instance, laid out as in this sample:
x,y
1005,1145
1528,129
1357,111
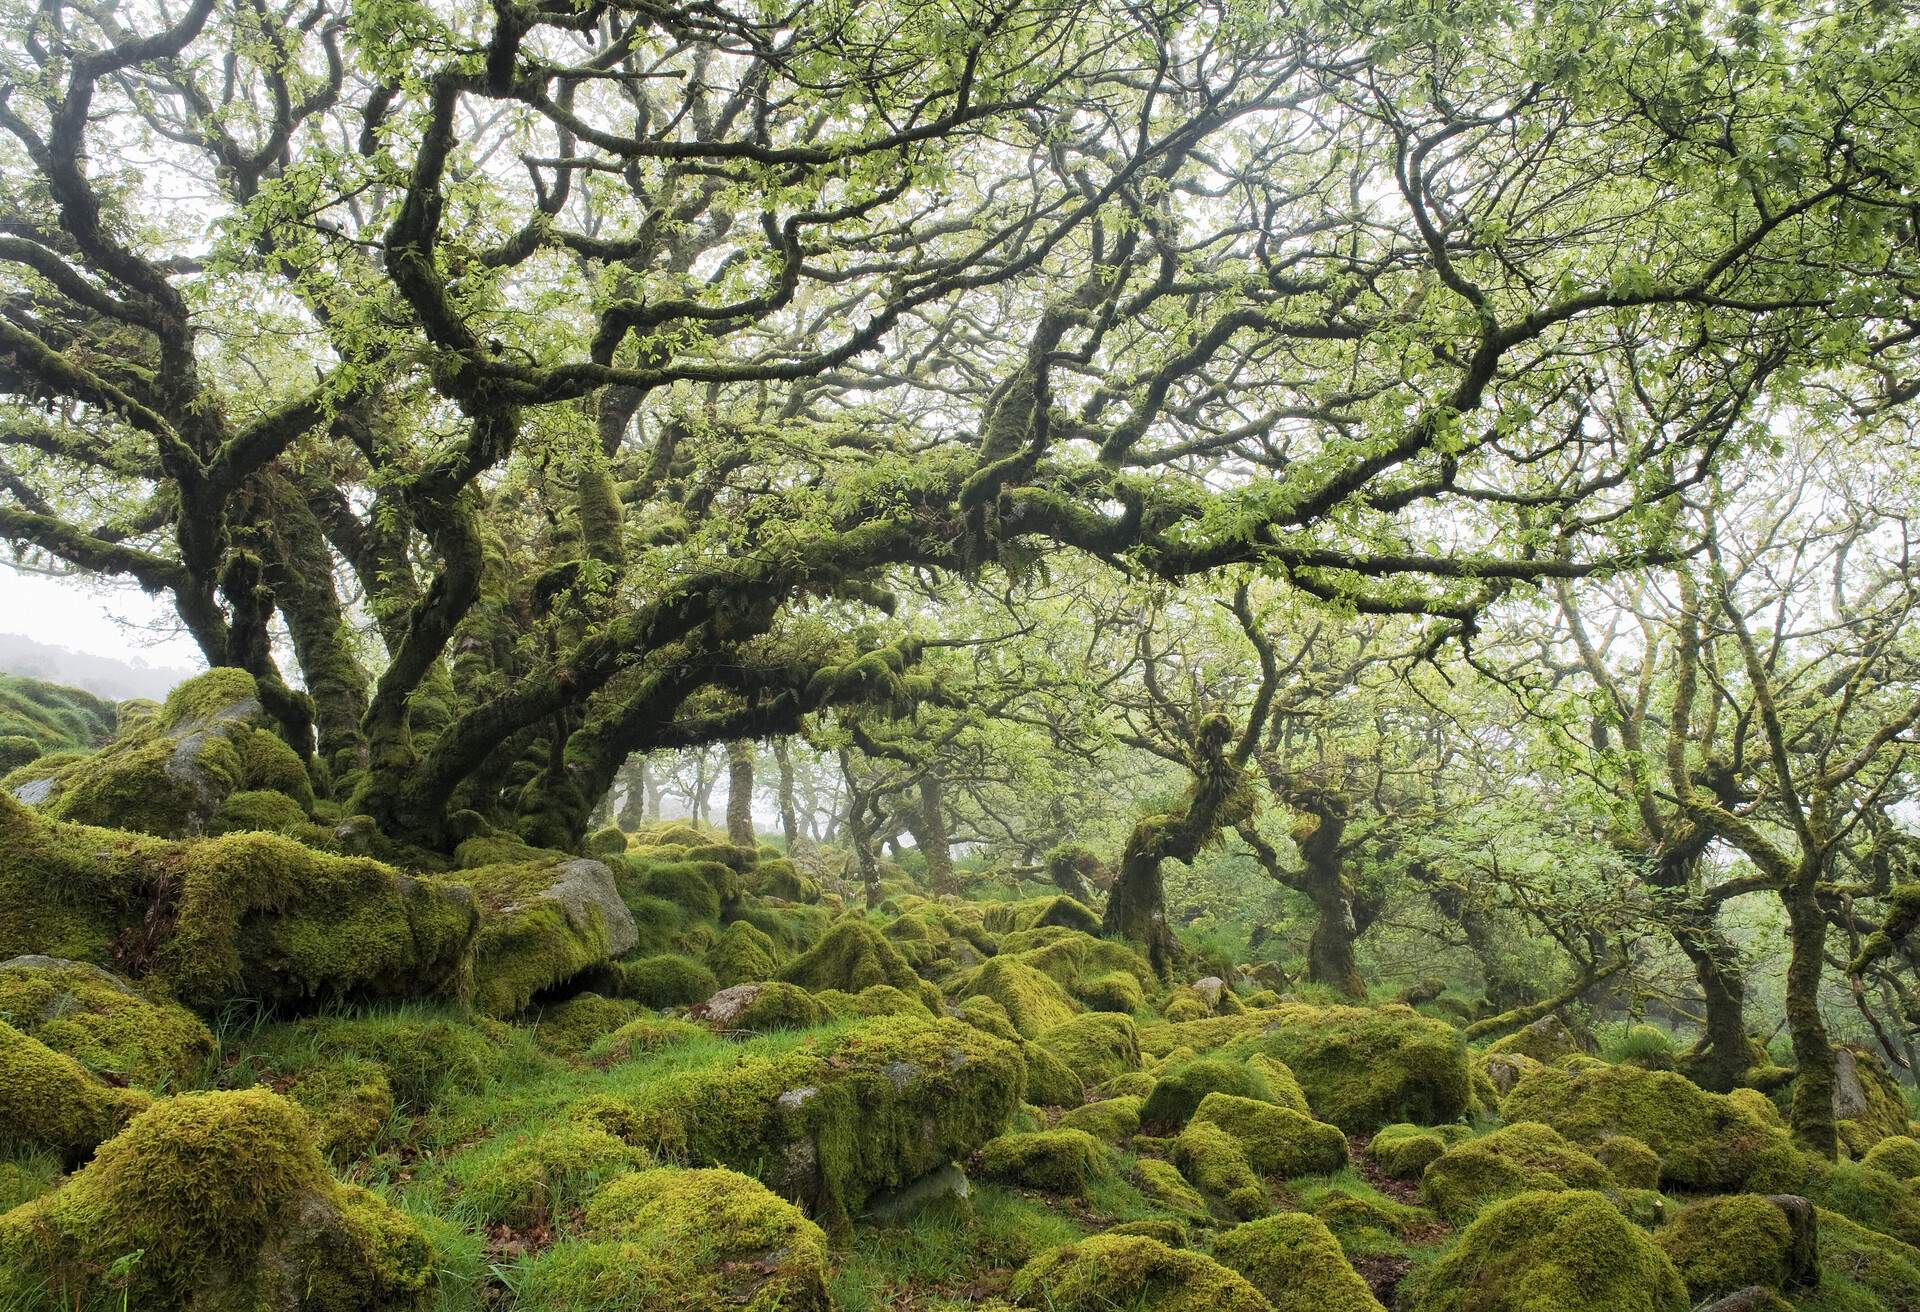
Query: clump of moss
x,y
101,1021
984,1013
1546,1041
1515,1159
1163,1183
216,1192
1571,1252
1863,1270
743,954
1178,1091
1363,1067
639,1037
667,980
1111,1120
1295,1262
1403,1151
1898,1156
1173,1234
1362,1218
534,1177
1115,991
1213,1159
875,1000
1276,1140
569,1028
761,1009
1041,913
1055,1161
1034,1002
1720,1245
348,1104
881,1103
1632,1163
1050,1081
667,1239
423,1054
1097,1046
49,1101
1704,1140
852,956
1110,1271
542,924
1868,1105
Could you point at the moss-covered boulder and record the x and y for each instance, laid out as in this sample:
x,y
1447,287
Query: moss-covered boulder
x,y
1363,1067
1033,1002
425,1054
1210,1156
1061,1161
169,773
1111,1120
225,1200
1632,1163
1704,1140
1898,1156
760,1009
1050,1081
50,1103
1041,913
533,1177
1296,1263
666,979
348,1103
570,1028
541,925
1403,1151
669,1239
1116,991
884,1102
1276,1140
1096,1046
1163,1183
1724,1244
37,718
1105,1272
1179,1089
1515,1159
1546,1041
851,956
640,1037
743,954
1568,1252
1868,1105
102,1022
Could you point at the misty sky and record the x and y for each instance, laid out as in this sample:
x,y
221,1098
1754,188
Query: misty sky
x,y
99,618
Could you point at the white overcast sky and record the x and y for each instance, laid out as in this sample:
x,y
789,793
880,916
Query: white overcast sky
x,y
101,619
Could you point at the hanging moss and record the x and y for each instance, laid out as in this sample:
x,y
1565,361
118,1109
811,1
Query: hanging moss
x,y
1214,1161
1109,1271
1704,1140
1720,1245
1054,1161
1515,1159
1111,1120
1295,1262
102,1022
217,1192
1276,1140
48,1101
1178,1090
1572,1252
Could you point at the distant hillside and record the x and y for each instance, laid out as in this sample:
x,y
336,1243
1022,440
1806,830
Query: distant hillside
x,y
104,676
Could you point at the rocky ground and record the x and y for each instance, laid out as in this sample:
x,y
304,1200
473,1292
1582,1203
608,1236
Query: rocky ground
x,y
252,1057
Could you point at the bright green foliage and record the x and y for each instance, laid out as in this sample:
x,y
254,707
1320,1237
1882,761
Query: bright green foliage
x,y
1362,1068
48,1101
1097,1047
101,1022
1403,1151
573,1026
425,1055
226,1199
1106,1272
667,980
1723,1244
1178,1091
1276,1140
1033,1001
1057,1161
1294,1260
1214,1161
1704,1140
882,1103
1552,1252
49,717
668,1239
1520,1158
743,954
1898,1156
531,1178
1163,1183
1111,1120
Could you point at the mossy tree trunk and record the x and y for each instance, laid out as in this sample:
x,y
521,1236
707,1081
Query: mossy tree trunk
x,y
789,810
740,793
1330,948
1811,1114
636,800
927,822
